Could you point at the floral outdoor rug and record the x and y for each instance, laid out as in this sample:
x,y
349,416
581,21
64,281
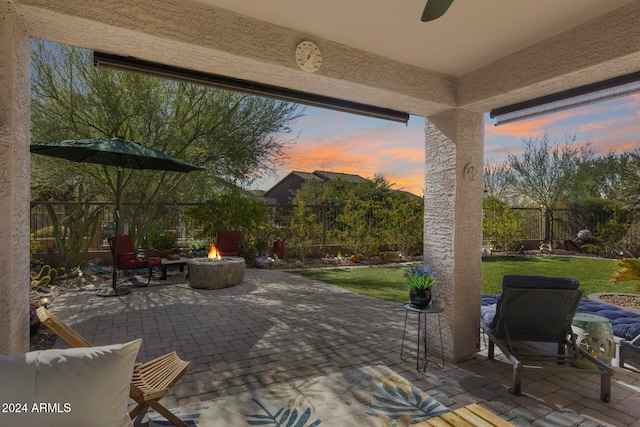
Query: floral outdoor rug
x,y
367,396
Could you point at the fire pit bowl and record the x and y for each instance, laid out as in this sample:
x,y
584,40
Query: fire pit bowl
x,y
205,273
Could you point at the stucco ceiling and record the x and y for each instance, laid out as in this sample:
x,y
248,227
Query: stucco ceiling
x,y
472,34
482,54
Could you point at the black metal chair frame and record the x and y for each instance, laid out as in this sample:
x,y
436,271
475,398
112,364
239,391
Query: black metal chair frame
x,y
630,352
532,315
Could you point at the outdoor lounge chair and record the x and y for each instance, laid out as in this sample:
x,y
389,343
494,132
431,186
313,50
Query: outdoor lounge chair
x,y
151,380
229,242
126,258
630,352
534,310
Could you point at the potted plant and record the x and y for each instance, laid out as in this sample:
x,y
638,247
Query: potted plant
x,y
420,279
262,258
162,241
199,249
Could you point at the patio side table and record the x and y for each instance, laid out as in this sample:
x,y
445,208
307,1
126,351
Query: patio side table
x,y
594,334
422,334
166,263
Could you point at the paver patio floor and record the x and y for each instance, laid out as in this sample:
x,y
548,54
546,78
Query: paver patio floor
x,y
277,326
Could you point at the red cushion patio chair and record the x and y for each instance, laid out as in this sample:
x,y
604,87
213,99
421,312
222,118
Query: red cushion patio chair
x,y
126,258
229,242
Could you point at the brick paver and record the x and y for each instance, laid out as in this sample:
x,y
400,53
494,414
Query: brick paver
x,y
277,326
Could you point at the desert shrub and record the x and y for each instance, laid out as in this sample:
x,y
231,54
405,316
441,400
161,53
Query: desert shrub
x,y
358,225
304,230
404,225
502,225
232,209
610,234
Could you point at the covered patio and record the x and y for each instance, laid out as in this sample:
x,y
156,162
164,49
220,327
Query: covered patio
x,y
277,327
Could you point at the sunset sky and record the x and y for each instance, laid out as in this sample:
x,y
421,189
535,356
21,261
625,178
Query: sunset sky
x,y
341,142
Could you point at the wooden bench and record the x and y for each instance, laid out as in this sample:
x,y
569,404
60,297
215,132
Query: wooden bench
x,y
467,416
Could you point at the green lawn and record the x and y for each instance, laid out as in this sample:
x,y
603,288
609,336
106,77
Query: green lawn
x,y
387,282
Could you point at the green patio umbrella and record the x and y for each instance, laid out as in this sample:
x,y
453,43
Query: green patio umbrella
x,y
117,152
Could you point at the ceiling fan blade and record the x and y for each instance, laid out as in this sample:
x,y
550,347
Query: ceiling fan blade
x,y
434,9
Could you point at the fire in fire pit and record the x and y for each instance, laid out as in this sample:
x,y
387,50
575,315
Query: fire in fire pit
x,y
214,255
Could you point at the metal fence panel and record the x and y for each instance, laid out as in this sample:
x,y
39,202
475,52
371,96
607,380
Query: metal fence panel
x,y
566,222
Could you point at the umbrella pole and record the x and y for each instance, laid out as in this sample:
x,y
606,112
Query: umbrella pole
x,y
114,254
115,291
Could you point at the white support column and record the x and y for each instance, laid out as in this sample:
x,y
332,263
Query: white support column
x,y
14,182
453,224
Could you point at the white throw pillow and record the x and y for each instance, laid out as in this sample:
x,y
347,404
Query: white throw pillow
x,y
71,387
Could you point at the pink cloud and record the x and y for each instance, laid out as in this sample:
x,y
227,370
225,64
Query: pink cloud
x,y
351,144
395,152
609,126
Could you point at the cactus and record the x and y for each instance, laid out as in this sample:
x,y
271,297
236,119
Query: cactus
x,y
46,275
70,231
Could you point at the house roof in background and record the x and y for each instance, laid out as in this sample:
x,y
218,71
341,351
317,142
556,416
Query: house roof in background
x,y
293,180
315,175
303,175
327,176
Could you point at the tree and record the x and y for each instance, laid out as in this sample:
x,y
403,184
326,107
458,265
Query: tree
x,y
601,177
367,214
498,180
337,191
311,193
546,173
237,137
378,189
304,229
630,193
230,209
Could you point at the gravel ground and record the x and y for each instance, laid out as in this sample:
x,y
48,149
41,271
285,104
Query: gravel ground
x,y
44,338
628,301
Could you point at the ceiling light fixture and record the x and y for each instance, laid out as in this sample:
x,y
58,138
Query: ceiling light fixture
x,y
572,98
127,63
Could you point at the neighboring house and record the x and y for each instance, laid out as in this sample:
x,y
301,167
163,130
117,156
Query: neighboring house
x,y
282,192
326,176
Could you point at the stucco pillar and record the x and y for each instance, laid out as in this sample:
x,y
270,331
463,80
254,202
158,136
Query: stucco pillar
x,y
14,183
453,225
